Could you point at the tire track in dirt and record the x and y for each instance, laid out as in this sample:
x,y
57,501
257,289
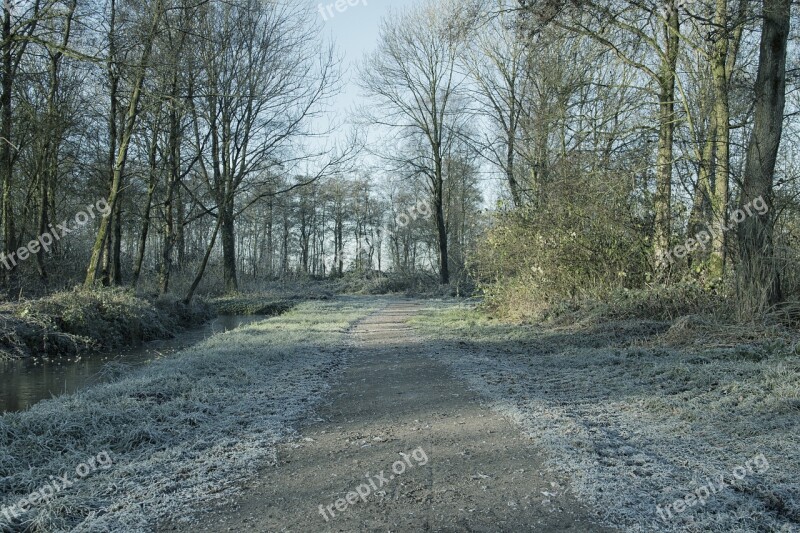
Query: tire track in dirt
x,y
480,474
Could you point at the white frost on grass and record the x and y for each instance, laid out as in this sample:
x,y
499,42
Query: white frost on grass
x,y
634,428
182,432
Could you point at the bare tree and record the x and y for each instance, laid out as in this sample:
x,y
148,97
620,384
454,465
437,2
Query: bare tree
x,y
19,30
497,60
412,75
264,81
646,36
155,12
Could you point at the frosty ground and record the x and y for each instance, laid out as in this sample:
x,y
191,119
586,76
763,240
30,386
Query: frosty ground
x,y
611,424
182,432
636,423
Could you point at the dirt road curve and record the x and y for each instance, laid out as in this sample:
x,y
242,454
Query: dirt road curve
x,y
465,467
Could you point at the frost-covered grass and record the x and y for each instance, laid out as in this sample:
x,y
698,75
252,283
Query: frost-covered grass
x,y
182,432
252,305
637,423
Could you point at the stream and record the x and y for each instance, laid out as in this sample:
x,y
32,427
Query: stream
x,y
28,381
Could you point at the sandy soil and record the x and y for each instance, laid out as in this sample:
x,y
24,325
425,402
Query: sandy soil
x,y
464,467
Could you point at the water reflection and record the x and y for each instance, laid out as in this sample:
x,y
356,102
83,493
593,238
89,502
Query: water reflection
x,y
27,381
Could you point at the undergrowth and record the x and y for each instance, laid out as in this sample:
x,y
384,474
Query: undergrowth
x,y
252,305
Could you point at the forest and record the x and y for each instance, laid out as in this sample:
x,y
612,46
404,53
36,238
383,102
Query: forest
x,y
581,217
614,143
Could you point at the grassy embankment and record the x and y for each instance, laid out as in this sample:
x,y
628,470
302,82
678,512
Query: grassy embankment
x,y
183,431
374,283
270,302
68,323
641,412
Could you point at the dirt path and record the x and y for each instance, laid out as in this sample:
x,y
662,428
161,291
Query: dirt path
x,y
465,468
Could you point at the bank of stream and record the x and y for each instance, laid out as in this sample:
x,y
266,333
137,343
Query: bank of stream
x,y
28,381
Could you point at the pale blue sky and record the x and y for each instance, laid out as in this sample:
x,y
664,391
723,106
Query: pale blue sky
x,y
355,32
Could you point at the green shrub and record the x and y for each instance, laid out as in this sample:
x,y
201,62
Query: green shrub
x,y
532,260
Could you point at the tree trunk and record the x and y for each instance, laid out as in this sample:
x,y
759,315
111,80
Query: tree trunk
x,y
169,200
270,238
180,229
228,247
513,186
719,72
122,152
148,207
168,237
662,233
339,245
201,271
115,275
285,242
49,172
43,221
759,280
113,129
441,226
6,156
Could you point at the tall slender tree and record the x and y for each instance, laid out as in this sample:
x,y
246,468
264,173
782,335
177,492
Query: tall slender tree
x,y
413,77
